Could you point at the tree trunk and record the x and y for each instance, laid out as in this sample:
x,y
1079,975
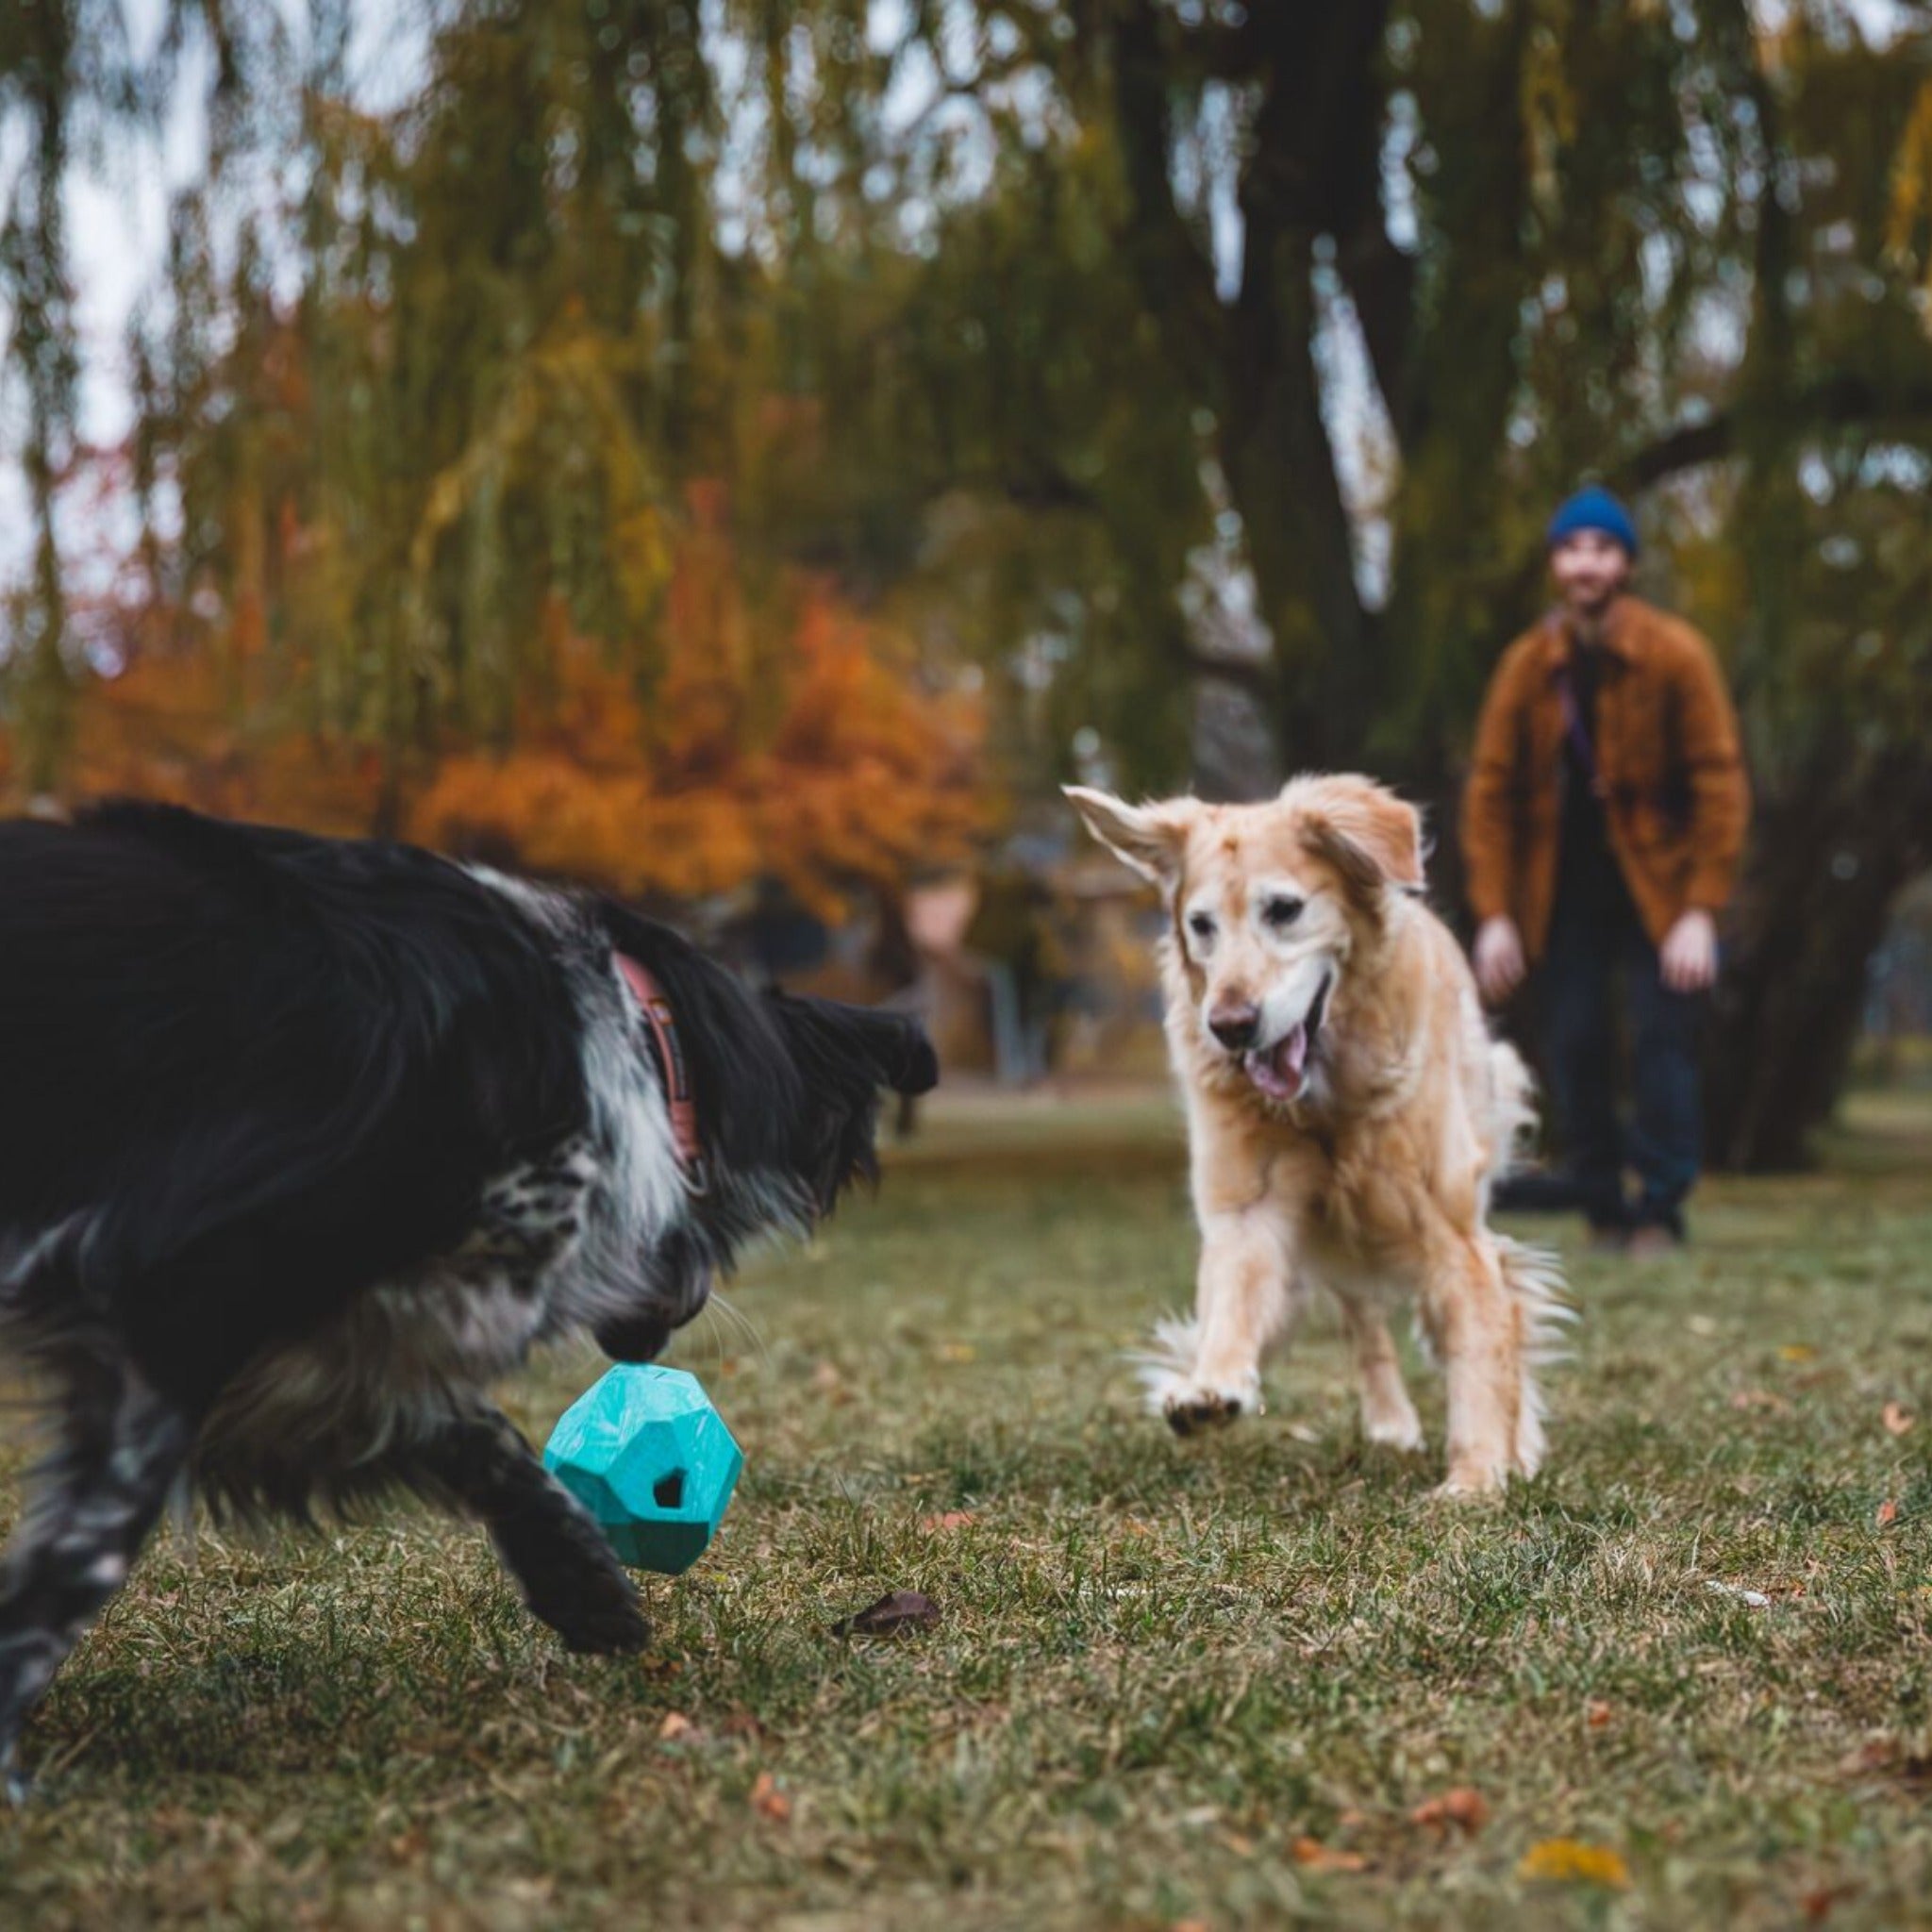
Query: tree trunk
x,y
1828,858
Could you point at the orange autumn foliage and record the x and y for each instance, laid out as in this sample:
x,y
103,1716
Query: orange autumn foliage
x,y
806,756
790,742
191,730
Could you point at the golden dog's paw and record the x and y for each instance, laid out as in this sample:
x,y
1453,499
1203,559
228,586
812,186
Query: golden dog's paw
x,y
1401,1433
1470,1485
1189,1412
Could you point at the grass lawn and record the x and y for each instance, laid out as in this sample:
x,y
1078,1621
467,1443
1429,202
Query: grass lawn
x,y
1206,1683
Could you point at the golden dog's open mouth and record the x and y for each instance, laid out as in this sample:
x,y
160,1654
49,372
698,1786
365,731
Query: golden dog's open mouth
x,y
1282,1072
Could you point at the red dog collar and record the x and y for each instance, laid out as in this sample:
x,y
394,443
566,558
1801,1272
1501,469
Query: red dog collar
x,y
683,1110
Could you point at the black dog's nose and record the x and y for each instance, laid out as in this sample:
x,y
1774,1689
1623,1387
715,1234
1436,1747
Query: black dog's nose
x,y
1234,1026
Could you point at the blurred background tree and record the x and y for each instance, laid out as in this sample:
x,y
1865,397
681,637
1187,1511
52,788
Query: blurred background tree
x,y
668,409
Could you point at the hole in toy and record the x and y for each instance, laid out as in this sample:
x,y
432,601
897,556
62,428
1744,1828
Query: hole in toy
x,y
668,1491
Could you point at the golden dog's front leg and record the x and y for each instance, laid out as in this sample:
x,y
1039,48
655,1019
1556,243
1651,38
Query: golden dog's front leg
x,y
1474,1321
1246,1299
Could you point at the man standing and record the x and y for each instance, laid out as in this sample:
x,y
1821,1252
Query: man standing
x,y
1601,830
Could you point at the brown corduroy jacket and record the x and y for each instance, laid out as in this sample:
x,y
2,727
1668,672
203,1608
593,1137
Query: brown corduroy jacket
x,y
1676,799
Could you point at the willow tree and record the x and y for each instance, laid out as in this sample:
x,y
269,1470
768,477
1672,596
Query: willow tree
x,y
61,73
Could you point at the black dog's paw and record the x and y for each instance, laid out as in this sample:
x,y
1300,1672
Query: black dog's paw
x,y
620,1631
598,1616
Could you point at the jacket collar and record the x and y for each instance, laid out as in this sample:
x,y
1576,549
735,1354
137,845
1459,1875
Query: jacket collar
x,y
1621,637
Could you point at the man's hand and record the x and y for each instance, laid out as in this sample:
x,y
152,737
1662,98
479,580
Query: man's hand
x,y
1499,962
1689,955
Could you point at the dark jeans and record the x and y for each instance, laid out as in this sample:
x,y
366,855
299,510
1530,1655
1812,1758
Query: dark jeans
x,y
1593,946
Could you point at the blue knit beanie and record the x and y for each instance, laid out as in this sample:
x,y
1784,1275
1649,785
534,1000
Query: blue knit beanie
x,y
1594,508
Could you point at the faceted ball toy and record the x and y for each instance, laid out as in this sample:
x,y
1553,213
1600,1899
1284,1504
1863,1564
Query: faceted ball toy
x,y
645,1453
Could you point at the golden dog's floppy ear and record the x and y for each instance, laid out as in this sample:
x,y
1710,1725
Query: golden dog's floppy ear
x,y
1371,836
1149,838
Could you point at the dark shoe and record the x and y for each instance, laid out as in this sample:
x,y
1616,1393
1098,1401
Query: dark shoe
x,y
1654,1242
1535,1191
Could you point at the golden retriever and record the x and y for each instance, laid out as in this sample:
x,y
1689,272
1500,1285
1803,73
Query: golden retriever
x,y
1347,1114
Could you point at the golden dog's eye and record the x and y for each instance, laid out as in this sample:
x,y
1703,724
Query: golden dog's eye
x,y
1201,925
1282,910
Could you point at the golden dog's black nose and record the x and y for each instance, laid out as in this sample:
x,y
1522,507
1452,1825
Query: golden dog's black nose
x,y
1234,1026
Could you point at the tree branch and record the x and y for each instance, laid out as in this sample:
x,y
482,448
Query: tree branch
x,y
1836,402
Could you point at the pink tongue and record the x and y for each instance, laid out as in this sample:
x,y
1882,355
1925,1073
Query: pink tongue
x,y
1281,1075
1292,1052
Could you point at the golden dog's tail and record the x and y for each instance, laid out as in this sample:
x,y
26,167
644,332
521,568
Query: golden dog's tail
x,y
1513,1113
1534,1278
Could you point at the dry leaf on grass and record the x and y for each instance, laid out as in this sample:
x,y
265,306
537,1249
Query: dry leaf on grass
x,y
897,1610
828,1382
675,1725
1316,1857
1890,1757
1596,1713
1759,1398
1797,1352
1816,1903
948,1519
1463,1806
1571,1860
1888,1512
768,1800
1897,1418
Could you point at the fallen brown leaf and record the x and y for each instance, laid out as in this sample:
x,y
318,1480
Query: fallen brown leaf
x,y
830,1383
768,1800
1897,1418
675,1725
1891,1756
948,1519
1759,1398
1596,1713
1463,1806
1816,1903
1887,1511
898,1609
1317,1857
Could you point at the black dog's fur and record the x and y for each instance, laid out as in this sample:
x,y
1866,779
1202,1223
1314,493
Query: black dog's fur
x,y
304,1142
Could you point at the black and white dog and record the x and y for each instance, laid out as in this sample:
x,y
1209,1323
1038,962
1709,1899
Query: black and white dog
x,y
303,1142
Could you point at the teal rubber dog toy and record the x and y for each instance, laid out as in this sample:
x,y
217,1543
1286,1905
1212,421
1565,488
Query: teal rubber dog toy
x,y
645,1453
